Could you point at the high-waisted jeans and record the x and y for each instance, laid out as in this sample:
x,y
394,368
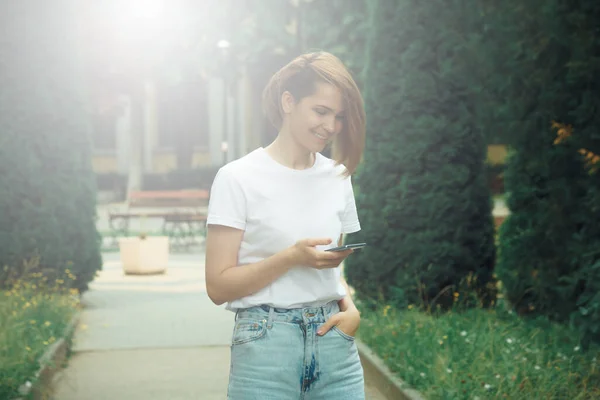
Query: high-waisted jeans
x,y
276,354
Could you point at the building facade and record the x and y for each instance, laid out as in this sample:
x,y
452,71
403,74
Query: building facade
x,y
203,123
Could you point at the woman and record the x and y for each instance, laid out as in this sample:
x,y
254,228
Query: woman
x,y
272,213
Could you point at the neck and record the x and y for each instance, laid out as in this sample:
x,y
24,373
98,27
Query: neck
x,y
287,151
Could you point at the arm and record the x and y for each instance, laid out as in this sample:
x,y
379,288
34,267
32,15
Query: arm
x,y
226,282
348,319
346,303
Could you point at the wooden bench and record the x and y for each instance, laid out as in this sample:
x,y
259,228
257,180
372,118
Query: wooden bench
x,y
184,214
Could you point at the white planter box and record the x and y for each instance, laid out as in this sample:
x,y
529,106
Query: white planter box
x,y
144,256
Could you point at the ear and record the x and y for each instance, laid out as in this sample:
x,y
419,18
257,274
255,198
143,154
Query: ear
x,y
287,102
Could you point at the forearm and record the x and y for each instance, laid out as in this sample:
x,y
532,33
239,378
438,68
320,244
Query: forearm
x,y
240,281
346,303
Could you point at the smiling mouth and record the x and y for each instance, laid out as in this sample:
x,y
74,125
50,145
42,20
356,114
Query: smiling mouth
x,y
320,136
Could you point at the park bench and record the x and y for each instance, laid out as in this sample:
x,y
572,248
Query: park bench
x,y
183,213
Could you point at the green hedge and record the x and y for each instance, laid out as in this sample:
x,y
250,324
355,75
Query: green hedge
x,y
549,260
424,201
540,249
48,201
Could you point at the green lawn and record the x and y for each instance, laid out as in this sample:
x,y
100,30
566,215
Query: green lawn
x,y
486,354
31,320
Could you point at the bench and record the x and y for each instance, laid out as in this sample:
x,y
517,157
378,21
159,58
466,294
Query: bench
x,y
183,213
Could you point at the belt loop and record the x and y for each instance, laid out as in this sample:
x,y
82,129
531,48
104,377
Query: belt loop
x,y
271,317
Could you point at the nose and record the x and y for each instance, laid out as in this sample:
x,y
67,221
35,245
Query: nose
x,y
329,125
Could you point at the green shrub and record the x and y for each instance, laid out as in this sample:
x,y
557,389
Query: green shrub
x,y
424,201
539,245
549,261
548,258
33,316
48,201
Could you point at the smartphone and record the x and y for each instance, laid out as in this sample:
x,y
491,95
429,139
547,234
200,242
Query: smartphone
x,y
354,246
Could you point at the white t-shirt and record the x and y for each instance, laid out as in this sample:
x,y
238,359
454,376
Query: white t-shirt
x,y
276,206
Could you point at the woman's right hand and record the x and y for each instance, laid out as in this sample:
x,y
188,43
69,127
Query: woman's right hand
x,y
305,253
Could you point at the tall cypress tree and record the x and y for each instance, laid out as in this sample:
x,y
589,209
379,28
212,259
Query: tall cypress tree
x,y
422,195
549,260
48,201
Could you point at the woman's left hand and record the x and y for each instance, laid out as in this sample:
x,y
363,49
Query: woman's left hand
x,y
347,321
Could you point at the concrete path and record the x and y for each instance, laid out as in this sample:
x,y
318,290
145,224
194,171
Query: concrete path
x,y
151,337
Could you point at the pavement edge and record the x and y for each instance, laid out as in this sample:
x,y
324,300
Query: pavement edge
x,y
50,363
392,387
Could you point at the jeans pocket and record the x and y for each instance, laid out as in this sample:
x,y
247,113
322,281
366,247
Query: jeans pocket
x,y
248,330
342,334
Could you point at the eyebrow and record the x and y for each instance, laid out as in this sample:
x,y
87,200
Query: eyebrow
x,y
329,108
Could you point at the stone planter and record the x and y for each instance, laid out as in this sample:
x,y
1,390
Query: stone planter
x,y
149,255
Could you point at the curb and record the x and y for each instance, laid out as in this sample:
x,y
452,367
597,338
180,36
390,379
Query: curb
x,y
392,387
50,362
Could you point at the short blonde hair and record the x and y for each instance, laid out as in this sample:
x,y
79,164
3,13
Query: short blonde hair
x,y
300,77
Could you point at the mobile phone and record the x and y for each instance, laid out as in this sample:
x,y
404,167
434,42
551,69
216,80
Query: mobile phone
x,y
354,246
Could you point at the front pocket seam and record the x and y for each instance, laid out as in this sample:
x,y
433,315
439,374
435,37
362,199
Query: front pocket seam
x,y
343,335
251,338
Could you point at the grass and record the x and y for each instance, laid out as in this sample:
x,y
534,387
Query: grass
x,y
31,319
485,354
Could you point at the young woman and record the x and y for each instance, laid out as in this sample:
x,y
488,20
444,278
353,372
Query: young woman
x,y
272,215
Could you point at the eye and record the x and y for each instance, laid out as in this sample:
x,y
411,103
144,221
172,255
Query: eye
x,y
341,117
320,111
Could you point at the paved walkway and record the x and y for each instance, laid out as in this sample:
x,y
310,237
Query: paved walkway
x,y
151,337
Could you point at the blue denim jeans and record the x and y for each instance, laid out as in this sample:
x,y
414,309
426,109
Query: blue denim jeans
x,y
276,354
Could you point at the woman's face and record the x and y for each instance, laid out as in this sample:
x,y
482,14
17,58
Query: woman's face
x,y
316,119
